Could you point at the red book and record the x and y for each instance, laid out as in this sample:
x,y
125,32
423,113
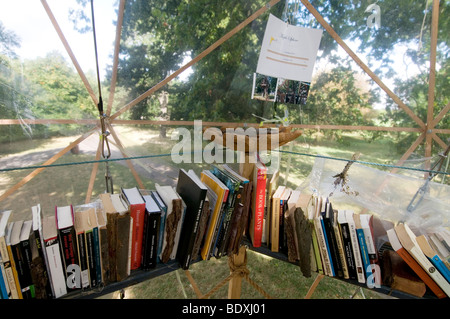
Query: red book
x,y
258,203
397,246
136,205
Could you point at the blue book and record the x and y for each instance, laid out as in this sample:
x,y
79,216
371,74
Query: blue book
x,y
433,257
3,283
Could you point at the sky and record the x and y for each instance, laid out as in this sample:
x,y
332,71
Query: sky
x,y
29,20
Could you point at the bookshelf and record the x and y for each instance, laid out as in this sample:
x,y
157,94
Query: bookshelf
x,y
138,275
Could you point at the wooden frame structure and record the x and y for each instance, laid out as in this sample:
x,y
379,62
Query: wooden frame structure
x,y
427,130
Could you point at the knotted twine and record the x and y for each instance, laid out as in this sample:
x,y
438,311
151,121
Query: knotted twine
x,y
235,272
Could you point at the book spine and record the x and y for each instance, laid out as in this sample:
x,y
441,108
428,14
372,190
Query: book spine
x,y
348,250
14,272
89,248
5,292
56,269
145,242
365,256
315,248
437,262
259,207
212,250
83,260
43,261
341,251
327,248
334,250
429,268
112,229
137,212
356,254
421,273
23,272
70,257
227,223
155,221
9,275
97,255
274,242
322,247
187,255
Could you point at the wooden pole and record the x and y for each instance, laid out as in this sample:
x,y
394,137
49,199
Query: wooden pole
x,y
235,285
314,285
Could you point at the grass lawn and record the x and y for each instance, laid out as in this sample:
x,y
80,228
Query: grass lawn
x,y
68,184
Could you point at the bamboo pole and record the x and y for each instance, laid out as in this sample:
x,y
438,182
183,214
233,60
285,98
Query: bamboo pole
x,y
129,163
50,161
220,124
314,285
69,51
93,173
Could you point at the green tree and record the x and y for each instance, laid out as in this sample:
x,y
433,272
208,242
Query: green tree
x,y
57,89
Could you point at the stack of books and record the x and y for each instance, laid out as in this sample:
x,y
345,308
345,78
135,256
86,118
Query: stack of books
x,y
207,215
344,244
81,247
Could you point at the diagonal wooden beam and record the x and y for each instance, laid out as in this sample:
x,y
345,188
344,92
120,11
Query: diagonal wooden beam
x,y
94,172
441,114
363,66
112,88
439,141
129,163
69,51
211,48
50,161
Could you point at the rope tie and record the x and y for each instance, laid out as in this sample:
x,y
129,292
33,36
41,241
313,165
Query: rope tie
x,y
235,271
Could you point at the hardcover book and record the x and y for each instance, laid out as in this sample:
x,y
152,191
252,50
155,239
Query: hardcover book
x,y
193,193
408,241
258,202
172,223
119,229
39,265
21,260
217,195
275,218
152,224
235,193
10,271
413,264
136,207
68,242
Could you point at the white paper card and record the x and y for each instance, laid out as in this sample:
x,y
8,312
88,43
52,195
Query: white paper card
x,y
288,51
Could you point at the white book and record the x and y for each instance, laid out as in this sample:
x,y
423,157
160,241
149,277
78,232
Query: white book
x,y
408,240
56,269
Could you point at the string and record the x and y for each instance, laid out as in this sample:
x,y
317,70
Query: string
x,y
170,154
103,116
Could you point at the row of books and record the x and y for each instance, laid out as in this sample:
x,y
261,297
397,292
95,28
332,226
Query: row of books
x,y
358,247
90,245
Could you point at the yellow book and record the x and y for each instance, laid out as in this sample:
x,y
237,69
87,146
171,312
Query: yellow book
x,y
11,259
216,194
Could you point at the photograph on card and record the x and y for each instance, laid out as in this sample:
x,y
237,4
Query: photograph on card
x,y
292,92
264,87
